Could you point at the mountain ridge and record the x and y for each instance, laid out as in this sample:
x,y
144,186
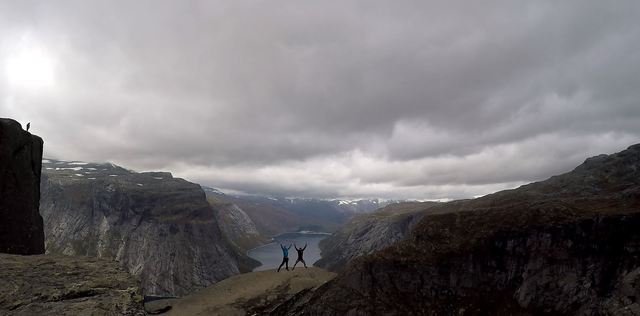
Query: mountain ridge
x,y
367,233
295,214
566,245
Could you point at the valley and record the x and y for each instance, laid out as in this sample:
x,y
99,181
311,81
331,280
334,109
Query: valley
x,y
175,235
113,237
435,158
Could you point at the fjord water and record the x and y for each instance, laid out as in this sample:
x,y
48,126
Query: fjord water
x,y
270,254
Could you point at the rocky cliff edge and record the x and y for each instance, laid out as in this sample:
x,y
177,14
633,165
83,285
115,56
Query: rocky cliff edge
x,y
21,227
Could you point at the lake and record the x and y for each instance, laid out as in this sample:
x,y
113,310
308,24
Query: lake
x,y
270,255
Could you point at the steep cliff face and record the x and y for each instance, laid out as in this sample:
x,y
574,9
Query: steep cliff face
x,y
21,228
159,228
367,233
270,220
567,245
236,225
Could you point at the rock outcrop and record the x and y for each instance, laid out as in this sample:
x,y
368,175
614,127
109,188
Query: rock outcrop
x,y
367,233
160,228
64,285
567,245
21,227
254,293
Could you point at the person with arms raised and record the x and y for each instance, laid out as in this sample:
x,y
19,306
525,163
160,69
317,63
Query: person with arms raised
x,y
300,253
285,257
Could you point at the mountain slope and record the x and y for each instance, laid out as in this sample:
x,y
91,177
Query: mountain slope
x,y
236,225
158,227
567,245
367,233
272,220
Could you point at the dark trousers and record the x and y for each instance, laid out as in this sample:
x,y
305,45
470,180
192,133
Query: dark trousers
x,y
285,261
299,260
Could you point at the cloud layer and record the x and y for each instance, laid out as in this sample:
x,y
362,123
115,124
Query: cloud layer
x,y
404,99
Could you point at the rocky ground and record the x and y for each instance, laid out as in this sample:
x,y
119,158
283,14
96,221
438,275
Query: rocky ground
x,y
64,285
255,293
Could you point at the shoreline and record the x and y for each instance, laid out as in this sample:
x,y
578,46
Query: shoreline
x,y
280,238
304,232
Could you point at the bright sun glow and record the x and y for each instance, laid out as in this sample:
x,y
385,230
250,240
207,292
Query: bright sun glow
x,y
29,67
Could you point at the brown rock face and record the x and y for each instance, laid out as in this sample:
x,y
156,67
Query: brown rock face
x,y
21,227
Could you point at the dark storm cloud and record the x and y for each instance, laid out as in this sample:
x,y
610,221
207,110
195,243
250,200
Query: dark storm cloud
x,y
416,99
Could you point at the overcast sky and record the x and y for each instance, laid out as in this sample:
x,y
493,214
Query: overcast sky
x,y
391,99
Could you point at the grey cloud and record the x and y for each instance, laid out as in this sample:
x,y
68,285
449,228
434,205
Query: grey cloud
x,y
418,88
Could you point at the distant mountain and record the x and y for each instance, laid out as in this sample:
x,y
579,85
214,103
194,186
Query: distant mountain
x,y
362,206
158,227
276,215
565,246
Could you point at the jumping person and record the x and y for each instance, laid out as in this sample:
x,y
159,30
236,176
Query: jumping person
x,y
285,257
300,253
